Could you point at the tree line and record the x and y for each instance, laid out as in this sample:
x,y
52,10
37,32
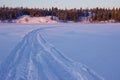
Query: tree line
x,y
76,15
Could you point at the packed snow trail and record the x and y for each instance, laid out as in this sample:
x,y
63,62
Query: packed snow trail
x,y
35,59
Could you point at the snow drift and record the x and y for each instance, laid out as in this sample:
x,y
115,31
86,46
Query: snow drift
x,y
35,59
32,20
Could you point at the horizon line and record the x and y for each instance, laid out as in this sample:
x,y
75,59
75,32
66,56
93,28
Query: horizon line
x,y
58,7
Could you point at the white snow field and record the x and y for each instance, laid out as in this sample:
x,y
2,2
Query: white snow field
x,y
71,51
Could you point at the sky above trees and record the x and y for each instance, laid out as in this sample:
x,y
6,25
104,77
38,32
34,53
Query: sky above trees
x,y
61,3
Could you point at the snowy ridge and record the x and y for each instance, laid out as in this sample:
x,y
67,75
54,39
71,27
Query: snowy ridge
x,y
33,20
35,59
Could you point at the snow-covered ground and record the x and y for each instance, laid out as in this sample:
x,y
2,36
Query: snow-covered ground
x,y
36,20
95,45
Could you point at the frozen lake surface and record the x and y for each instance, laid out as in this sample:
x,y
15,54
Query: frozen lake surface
x,y
95,45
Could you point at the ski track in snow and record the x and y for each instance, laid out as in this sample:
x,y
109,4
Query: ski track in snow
x,y
35,59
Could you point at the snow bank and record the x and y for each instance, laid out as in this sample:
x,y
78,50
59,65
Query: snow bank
x,y
32,20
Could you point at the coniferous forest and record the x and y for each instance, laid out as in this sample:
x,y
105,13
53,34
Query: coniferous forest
x,y
76,15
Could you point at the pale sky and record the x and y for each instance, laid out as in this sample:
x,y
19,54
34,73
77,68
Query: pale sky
x,y
61,3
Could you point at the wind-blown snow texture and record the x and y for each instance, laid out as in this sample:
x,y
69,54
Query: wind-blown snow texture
x,y
35,59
